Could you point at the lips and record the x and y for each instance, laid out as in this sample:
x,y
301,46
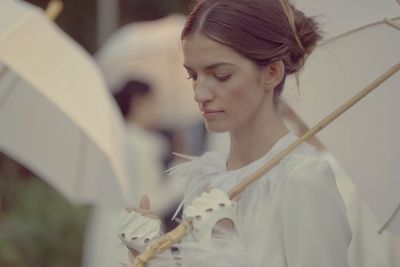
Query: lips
x,y
211,113
209,110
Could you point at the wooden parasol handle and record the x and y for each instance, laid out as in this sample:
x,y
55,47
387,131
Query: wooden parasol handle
x,y
181,230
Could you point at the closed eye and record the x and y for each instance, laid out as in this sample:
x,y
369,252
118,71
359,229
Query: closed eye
x,y
222,78
191,73
192,77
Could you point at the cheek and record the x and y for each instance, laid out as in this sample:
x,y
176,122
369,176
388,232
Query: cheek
x,y
244,93
237,89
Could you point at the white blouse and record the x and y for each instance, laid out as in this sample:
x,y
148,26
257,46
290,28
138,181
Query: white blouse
x,y
293,216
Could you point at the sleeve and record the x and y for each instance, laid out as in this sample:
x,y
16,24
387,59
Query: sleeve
x,y
224,250
315,228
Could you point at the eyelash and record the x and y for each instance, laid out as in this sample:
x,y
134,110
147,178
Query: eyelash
x,y
219,78
223,78
192,77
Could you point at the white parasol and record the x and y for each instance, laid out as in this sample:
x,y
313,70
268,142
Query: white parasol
x,y
56,116
364,140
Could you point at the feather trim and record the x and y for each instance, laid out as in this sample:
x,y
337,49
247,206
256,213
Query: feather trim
x,y
224,250
198,172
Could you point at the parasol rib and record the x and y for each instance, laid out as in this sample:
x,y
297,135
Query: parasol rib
x,y
386,224
390,22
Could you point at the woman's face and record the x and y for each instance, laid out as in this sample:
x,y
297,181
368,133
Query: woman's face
x,y
227,86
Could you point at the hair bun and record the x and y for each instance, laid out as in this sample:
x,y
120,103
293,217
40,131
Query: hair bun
x,y
308,33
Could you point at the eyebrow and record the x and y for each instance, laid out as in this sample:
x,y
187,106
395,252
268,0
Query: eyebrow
x,y
212,66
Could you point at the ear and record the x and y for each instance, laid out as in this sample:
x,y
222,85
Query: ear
x,y
273,74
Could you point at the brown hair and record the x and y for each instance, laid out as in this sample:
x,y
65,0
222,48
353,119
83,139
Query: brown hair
x,y
258,29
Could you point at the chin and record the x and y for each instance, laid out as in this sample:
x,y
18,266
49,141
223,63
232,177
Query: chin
x,y
216,128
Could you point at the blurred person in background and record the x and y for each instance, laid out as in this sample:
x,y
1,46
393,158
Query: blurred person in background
x,y
147,151
155,100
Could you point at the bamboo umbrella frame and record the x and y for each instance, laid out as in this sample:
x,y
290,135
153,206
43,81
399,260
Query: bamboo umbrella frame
x,y
182,229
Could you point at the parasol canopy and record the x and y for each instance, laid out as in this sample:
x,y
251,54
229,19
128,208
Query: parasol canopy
x,y
56,115
365,139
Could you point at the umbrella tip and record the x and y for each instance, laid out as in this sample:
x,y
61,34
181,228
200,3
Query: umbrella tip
x,y
54,9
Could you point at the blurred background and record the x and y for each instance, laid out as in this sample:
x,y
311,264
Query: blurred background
x,y
91,22
135,47
38,226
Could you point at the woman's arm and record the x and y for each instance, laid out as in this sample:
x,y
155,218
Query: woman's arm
x,y
315,228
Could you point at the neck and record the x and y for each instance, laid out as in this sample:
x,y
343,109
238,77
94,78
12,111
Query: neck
x,y
250,143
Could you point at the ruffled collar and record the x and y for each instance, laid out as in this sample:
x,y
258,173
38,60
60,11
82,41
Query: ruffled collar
x,y
239,174
209,170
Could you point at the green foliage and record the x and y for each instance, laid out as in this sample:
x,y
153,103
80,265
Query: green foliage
x,y
38,227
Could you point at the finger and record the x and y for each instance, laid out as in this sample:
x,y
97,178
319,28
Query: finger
x,y
144,202
147,213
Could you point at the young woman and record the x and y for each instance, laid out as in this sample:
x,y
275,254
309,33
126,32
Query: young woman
x,y
238,54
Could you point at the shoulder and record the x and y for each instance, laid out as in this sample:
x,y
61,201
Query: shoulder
x,y
307,170
310,186
314,218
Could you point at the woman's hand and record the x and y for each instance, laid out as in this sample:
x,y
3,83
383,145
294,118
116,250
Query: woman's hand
x,y
212,214
139,226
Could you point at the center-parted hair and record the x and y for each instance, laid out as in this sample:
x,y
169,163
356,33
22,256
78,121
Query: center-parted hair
x,y
257,29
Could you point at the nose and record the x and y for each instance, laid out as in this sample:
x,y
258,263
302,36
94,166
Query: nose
x,y
202,93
